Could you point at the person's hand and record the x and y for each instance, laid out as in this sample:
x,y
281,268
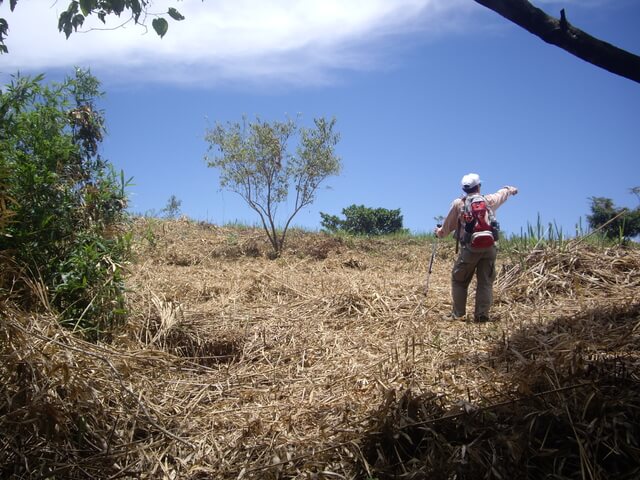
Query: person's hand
x,y
512,190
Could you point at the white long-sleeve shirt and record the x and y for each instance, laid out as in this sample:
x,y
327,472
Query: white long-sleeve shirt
x,y
494,200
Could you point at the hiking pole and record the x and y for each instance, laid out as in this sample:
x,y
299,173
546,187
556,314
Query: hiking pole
x,y
433,255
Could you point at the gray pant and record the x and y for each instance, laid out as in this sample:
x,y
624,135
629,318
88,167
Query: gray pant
x,y
483,264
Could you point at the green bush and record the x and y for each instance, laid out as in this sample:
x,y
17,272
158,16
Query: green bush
x,y
61,203
615,223
361,220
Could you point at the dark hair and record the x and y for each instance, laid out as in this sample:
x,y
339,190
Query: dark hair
x,y
471,189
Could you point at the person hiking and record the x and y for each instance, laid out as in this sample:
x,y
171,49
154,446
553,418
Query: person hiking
x,y
472,220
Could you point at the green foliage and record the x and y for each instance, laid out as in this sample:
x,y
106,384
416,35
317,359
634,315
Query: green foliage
x,y
175,14
4,27
361,220
614,222
77,11
255,161
61,203
535,236
160,25
89,285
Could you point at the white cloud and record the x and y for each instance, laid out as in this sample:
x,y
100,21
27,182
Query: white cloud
x,y
291,41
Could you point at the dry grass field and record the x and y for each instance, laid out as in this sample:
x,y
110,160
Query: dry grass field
x,y
331,362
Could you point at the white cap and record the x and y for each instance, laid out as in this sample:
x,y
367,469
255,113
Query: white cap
x,y
470,180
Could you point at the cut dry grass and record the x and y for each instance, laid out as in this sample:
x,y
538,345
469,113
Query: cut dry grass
x,y
571,271
570,408
330,362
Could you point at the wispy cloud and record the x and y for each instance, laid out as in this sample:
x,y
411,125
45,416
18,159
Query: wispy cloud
x,y
291,41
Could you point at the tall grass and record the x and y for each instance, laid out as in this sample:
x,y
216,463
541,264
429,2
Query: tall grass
x,y
542,235
536,235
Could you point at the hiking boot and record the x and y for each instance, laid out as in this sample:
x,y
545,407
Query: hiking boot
x,y
449,317
481,318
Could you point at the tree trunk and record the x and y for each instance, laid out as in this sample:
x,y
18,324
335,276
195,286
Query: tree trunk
x,y
567,37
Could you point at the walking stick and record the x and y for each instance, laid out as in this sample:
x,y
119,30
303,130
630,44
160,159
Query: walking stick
x,y
433,255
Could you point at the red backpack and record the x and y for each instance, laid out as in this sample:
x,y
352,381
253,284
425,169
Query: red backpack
x,y
480,225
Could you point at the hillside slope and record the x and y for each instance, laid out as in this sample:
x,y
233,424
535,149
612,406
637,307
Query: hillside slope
x,y
331,362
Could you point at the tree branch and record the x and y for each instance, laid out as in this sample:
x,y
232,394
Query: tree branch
x,y
564,35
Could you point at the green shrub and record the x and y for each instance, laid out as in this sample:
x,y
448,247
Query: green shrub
x,y
361,220
615,223
61,203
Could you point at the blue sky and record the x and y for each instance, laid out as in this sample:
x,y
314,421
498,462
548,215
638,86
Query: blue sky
x,y
423,91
